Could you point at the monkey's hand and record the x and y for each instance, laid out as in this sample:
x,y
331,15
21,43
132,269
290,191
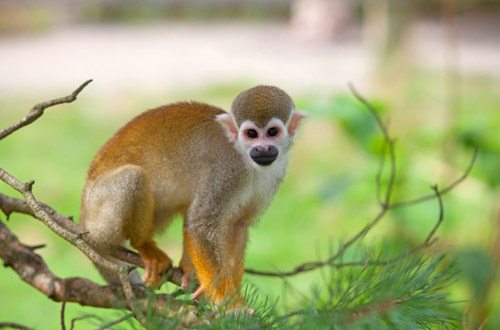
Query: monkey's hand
x,y
199,292
189,281
156,263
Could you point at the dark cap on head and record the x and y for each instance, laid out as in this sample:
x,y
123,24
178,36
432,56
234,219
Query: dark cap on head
x,y
260,104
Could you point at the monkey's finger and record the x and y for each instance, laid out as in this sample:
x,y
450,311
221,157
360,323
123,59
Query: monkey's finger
x,y
185,283
198,293
163,266
189,284
147,274
154,276
189,281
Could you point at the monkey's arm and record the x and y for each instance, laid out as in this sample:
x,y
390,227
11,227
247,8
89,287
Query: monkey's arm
x,y
209,239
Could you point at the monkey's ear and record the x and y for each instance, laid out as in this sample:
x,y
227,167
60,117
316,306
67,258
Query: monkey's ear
x,y
229,125
295,119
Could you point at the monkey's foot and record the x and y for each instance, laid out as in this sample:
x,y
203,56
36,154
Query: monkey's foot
x,y
156,263
235,306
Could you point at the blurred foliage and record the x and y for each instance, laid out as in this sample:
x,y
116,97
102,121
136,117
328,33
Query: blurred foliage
x,y
32,15
132,12
41,15
401,294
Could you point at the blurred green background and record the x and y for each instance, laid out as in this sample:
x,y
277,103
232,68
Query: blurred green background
x,y
432,68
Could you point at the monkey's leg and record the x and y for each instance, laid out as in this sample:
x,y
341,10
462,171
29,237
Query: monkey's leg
x,y
120,206
238,237
207,229
140,229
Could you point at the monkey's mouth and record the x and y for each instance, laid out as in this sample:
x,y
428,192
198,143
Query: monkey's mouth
x,y
264,155
264,160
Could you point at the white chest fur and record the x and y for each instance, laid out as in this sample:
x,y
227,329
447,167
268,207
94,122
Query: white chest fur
x,y
263,183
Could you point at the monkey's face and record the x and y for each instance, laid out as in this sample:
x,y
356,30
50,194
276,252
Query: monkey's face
x,y
263,144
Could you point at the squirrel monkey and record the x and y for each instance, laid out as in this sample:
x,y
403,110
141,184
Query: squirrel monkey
x,y
219,171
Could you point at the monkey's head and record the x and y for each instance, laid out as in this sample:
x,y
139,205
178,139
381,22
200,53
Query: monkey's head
x,y
263,123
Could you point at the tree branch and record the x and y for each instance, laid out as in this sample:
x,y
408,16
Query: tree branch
x,y
10,205
40,214
65,228
32,269
39,108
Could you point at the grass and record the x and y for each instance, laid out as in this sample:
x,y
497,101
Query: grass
x,y
327,196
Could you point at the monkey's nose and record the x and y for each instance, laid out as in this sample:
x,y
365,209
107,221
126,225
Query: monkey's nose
x,y
261,149
264,155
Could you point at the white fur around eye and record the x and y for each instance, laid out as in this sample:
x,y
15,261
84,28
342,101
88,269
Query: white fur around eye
x,y
276,123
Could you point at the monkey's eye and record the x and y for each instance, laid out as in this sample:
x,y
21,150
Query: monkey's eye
x,y
251,133
273,131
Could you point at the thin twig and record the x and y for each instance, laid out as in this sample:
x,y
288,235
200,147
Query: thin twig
x,y
445,190
14,326
129,295
282,318
378,308
429,241
378,177
39,108
389,141
481,326
355,315
121,319
464,317
63,310
36,247
308,266
441,215
76,319
127,288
